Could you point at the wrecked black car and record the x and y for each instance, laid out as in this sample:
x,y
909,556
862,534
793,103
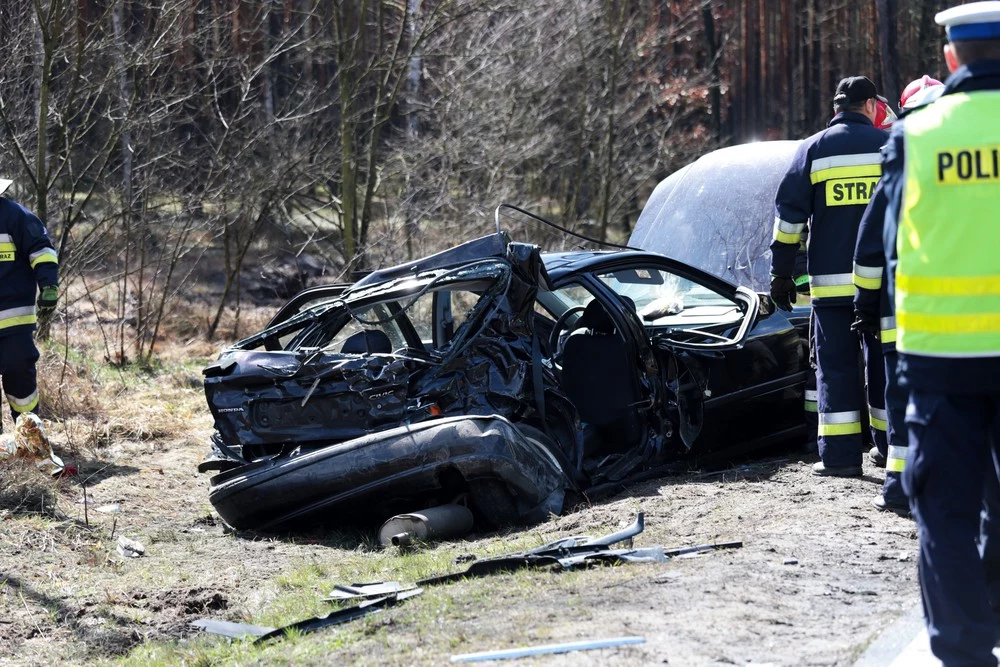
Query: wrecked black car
x,y
518,381
515,379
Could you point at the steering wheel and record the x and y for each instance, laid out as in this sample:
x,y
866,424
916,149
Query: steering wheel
x,y
559,325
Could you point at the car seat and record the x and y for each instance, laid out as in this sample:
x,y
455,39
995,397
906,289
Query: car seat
x,y
599,377
367,342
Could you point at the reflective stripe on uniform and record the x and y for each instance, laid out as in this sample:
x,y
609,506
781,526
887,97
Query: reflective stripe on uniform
x,y
895,461
964,287
867,277
858,165
965,323
811,398
831,284
42,256
15,316
840,423
26,404
887,325
878,418
949,285
787,232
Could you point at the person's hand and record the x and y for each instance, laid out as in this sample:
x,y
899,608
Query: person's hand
x,y
865,323
783,292
47,299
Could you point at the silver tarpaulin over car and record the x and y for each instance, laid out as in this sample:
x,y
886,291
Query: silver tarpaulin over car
x,y
717,213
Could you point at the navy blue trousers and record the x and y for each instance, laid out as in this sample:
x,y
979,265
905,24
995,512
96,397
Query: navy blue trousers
x,y
839,386
989,539
953,447
811,398
896,398
18,355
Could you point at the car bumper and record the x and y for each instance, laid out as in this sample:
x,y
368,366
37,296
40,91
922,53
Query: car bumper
x,y
398,470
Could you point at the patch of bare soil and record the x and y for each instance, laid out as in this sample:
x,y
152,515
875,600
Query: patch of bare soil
x,y
820,574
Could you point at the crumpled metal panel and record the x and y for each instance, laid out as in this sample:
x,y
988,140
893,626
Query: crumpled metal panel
x,y
268,403
494,245
375,476
293,410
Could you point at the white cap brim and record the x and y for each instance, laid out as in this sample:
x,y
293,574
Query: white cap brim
x,y
4,184
974,12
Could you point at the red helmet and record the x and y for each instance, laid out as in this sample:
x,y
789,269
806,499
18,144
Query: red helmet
x,y
884,115
914,87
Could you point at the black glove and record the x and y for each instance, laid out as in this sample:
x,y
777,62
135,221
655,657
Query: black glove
x,y
783,292
47,299
865,323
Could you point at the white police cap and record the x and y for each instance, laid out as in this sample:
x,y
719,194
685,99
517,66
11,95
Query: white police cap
x,y
976,20
4,184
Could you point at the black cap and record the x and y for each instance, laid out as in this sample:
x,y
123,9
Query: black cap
x,y
854,89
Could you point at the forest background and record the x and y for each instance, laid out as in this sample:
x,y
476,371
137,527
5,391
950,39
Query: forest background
x,y
226,151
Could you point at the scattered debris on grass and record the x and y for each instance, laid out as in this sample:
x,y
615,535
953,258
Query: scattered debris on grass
x,y
373,590
230,629
305,626
130,548
28,441
563,554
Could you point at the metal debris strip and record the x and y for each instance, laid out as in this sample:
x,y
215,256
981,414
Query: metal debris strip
x,y
574,552
529,651
373,590
306,626
344,615
231,630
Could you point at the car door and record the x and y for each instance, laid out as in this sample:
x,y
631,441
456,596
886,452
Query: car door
x,y
693,322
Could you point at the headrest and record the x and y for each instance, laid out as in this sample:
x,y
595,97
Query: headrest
x,y
368,341
596,317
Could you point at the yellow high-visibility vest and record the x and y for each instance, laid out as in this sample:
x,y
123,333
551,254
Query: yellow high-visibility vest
x,y
948,274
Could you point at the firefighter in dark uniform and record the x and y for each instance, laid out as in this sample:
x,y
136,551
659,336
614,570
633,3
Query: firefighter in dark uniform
x,y
28,266
942,183
874,314
828,185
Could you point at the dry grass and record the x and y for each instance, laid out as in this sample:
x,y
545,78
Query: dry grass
x,y
89,405
24,489
91,401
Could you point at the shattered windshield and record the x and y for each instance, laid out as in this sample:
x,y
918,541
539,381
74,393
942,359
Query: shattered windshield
x,y
663,298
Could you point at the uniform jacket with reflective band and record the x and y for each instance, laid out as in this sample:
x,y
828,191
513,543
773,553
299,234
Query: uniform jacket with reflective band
x,y
870,278
27,261
828,185
942,190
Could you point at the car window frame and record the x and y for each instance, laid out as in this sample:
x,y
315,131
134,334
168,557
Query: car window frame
x,y
635,260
